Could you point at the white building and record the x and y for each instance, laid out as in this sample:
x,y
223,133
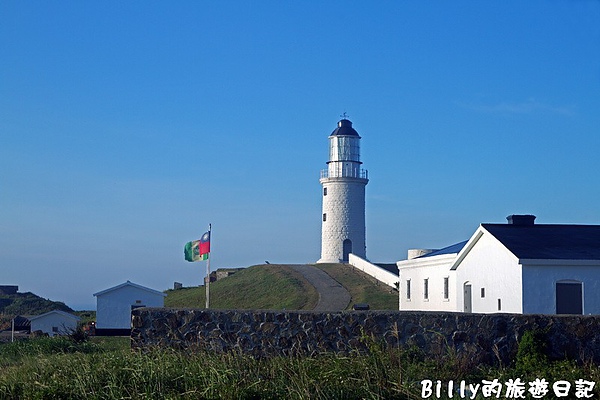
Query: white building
x,y
114,306
426,282
519,267
343,193
54,323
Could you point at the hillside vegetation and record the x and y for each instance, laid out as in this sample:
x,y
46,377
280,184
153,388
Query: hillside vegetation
x,y
278,287
26,304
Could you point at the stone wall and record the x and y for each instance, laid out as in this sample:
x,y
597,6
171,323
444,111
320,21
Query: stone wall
x,y
483,338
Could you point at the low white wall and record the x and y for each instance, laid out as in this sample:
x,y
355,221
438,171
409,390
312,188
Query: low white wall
x,y
375,271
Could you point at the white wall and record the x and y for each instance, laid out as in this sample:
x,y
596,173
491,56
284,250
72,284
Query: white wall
x,y
46,323
375,271
489,265
539,284
434,269
114,307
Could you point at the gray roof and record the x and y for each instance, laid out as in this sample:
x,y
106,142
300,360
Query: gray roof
x,y
62,313
393,268
131,284
344,129
452,249
546,242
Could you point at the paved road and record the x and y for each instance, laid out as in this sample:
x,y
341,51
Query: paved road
x,y
332,295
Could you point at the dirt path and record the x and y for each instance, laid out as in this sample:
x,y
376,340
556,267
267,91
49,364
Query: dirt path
x,y
332,295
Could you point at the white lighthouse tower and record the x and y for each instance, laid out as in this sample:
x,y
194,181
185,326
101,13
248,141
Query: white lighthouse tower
x,y
343,227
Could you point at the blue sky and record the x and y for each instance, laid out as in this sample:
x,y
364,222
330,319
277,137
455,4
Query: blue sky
x,y
127,127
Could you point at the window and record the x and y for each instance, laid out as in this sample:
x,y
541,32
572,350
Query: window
x,y
569,297
499,304
482,292
324,217
426,289
446,288
408,289
324,191
55,329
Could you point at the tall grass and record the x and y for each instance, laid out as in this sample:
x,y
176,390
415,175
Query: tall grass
x,y
14,353
41,370
108,369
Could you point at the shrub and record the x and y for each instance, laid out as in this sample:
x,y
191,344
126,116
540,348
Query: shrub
x,y
78,335
531,353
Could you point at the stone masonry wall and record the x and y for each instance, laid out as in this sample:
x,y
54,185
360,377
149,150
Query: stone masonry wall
x,y
484,338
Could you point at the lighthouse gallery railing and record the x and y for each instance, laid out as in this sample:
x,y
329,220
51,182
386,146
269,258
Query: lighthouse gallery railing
x,y
345,172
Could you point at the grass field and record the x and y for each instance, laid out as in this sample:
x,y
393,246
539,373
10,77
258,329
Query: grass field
x,y
278,287
362,287
106,368
256,287
56,368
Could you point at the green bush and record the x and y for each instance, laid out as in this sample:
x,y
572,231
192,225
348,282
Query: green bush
x,y
531,353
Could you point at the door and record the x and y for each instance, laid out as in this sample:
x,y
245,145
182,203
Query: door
x,y
468,298
346,249
569,297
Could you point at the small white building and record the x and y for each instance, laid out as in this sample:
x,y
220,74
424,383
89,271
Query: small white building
x,y
426,282
54,323
519,267
114,306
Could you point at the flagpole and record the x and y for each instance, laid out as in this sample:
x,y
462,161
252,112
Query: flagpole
x,y
208,270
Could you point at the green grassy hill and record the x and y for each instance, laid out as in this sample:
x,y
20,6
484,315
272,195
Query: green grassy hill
x,y
26,304
278,287
257,287
362,287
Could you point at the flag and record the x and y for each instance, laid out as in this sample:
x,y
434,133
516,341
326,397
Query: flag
x,y
204,245
192,251
198,250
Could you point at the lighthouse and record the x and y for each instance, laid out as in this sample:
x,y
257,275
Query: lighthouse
x,y
343,192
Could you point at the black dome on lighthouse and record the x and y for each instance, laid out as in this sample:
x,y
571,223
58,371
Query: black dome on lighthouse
x,y
344,128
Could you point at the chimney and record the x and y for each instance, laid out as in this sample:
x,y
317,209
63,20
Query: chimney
x,y
521,220
414,253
